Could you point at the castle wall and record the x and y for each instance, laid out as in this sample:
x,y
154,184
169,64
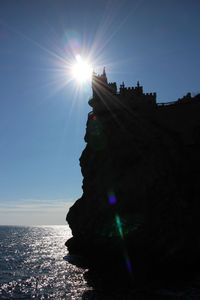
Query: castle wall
x,y
106,97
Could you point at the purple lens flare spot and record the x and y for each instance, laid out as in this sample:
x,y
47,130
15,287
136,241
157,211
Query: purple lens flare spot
x,y
112,198
128,265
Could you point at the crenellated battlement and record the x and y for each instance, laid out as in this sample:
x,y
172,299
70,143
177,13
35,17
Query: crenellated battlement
x,y
106,95
113,87
150,94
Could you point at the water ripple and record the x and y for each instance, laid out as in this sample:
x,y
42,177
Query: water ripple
x,y
32,265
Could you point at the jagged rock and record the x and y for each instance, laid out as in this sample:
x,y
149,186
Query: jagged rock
x,y
139,212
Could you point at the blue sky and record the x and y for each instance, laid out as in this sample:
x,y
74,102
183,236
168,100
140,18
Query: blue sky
x,y
43,112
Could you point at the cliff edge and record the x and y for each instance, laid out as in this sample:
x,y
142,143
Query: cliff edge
x,y
139,212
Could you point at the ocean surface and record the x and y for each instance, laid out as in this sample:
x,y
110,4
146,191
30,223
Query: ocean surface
x,y
33,264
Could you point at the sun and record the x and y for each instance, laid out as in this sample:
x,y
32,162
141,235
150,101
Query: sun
x,y
81,70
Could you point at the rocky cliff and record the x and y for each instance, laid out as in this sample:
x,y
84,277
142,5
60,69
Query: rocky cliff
x,y
139,212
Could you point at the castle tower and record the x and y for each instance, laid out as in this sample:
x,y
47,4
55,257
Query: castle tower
x,y
106,97
99,84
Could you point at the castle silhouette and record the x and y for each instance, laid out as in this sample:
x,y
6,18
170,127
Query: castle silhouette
x,y
106,97
146,154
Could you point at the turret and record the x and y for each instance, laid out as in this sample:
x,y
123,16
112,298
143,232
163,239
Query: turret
x,y
99,83
105,95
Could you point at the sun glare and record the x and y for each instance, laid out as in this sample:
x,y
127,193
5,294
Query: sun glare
x,y
81,70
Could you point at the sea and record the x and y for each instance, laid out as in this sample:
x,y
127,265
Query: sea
x,y
35,264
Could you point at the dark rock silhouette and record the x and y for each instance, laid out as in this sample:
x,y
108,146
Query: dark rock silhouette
x,y
139,212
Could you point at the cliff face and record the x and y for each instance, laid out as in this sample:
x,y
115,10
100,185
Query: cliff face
x,y
140,204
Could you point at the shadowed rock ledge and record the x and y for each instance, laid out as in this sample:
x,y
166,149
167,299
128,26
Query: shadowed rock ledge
x,y
139,212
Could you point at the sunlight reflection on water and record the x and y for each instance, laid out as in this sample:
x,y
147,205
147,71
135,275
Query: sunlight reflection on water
x,y
32,265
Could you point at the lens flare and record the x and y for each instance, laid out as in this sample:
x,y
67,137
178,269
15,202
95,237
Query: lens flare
x,y
119,226
128,264
112,198
127,259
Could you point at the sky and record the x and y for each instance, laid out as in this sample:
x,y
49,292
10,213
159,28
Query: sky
x,y
43,110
